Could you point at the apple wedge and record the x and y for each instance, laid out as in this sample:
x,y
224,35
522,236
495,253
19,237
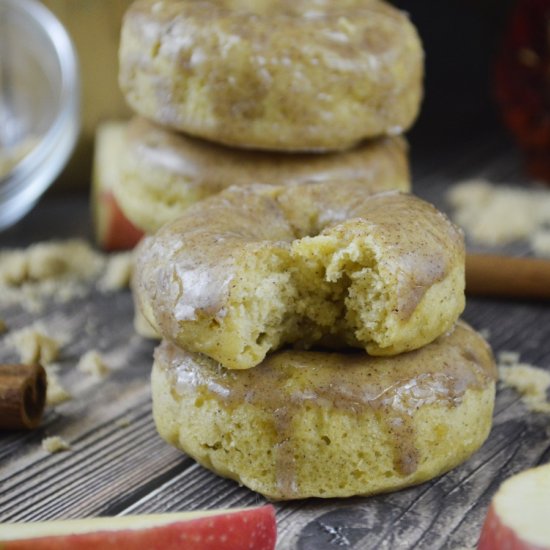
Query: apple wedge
x,y
519,514
235,529
113,230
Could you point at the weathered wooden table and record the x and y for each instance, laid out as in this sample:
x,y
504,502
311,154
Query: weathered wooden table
x,y
118,464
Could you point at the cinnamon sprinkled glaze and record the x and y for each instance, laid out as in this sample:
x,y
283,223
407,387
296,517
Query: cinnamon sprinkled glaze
x,y
212,167
187,268
394,388
271,74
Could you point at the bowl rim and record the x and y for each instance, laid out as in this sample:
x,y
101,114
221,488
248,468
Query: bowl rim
x,y
59,139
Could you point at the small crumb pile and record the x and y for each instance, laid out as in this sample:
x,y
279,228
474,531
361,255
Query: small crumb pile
x,y
531,382
56,272
495,215
59,270
35,345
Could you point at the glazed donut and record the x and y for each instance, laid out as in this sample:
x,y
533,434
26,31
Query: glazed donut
x,y
255,267
164,172
273,74
308,424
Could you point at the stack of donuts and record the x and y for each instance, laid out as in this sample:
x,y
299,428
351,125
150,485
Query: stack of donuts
x,y
308,307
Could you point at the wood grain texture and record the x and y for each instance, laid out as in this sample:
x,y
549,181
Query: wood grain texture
x,y
118,465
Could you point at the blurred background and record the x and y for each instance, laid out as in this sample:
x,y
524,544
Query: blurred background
x,y
462,39
94,26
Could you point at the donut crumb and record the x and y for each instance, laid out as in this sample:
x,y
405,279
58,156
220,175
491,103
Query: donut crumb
x,y
34,345
58,272
531,382
92,363
55,444
494,214
55,392
117,274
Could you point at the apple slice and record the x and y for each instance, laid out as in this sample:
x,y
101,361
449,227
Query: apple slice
x,y
113,230
239,528
519,514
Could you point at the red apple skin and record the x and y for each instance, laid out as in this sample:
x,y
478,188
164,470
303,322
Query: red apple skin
x,y
115,231
495,535
253,529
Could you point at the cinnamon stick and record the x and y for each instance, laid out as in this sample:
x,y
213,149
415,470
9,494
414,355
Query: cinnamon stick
x,y
22,396
504,276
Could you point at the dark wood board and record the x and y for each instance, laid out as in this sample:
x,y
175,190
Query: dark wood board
x,y
119,465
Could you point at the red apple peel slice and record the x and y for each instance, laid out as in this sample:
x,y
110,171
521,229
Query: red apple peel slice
x,y
113,230
519,515
236,529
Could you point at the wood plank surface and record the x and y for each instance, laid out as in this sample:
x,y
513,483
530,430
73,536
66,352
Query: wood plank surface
x,y
118,465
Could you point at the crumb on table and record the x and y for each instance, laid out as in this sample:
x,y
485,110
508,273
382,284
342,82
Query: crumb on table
x,y
493,214
92,362
55,392
55,444
58,271
531,382
34,345
117,273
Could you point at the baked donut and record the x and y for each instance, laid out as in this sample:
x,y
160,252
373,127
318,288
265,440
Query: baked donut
x,y
163,172
308,424
256,267
273,74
